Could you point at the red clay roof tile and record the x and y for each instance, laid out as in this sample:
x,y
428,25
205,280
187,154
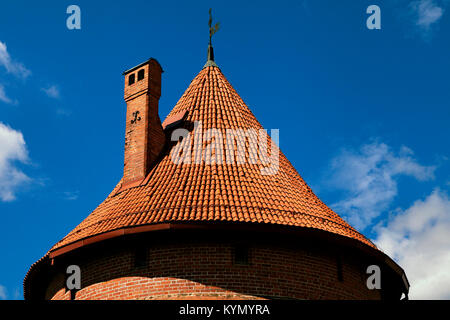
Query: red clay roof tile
x,y
213,192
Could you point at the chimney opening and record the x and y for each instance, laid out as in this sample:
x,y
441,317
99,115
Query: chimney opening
x,y
141,74
131,79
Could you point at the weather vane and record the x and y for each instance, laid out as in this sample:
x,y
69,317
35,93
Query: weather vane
x,y
212,30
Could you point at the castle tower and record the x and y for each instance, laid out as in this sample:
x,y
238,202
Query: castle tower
x,y
206,228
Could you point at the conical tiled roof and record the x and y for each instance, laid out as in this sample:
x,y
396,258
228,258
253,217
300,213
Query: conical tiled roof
x,y
213,192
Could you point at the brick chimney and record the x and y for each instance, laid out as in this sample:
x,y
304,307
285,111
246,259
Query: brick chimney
x,y
144,136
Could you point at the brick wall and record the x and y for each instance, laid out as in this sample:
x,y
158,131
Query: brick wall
x,y
144,136
208,270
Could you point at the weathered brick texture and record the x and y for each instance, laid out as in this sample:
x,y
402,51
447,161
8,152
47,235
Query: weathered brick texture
x,y
208,271
144,136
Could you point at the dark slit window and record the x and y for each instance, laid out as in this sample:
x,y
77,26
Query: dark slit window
x,y
131,79
241,255
340,275
140,258
141,74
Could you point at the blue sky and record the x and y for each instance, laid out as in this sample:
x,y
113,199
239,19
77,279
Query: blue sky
x,y
363,114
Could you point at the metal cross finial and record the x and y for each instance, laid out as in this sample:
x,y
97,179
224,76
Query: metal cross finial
x,y
212,30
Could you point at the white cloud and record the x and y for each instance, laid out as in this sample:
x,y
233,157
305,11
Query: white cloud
x,y
419,240
71,195
3,293
426,15
63,112
17,294
13,67
368,178
12,150
52,91
428,12
4,97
